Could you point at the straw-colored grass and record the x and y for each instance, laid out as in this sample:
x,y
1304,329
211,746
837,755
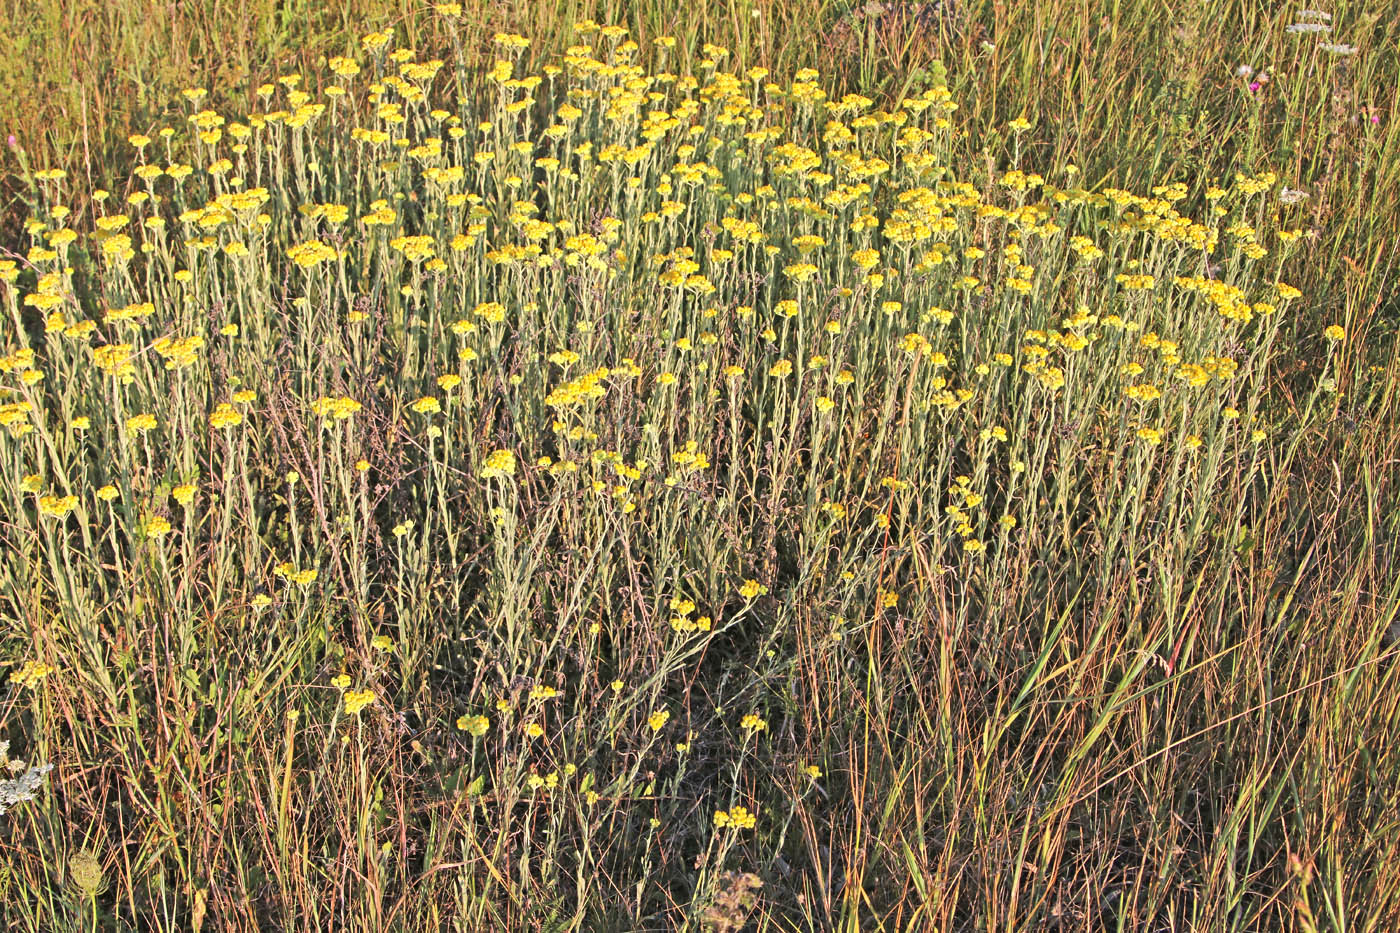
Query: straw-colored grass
x,y
609,482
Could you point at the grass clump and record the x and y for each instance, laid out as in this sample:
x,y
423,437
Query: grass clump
x,y
643,491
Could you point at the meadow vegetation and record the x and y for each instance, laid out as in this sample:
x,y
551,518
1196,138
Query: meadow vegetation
x,y
908,466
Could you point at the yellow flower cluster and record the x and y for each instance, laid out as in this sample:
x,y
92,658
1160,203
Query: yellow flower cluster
x,y
609,331
337,409
738,817
499,465
30,673
357,700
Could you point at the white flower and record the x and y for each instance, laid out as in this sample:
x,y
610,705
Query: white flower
x,y
23,787
1315,14
1291,195
1244,71
1308,27
1337,48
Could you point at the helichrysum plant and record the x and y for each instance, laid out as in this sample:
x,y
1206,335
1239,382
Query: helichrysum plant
x,y
550,483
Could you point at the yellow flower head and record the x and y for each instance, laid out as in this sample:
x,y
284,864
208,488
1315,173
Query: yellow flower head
x,y
225,416
752,589
736,818
499,464
356,700
473,725
1151,435
427,405
57,506
30,673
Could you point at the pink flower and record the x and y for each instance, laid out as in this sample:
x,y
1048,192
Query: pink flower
x,y
1254,86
